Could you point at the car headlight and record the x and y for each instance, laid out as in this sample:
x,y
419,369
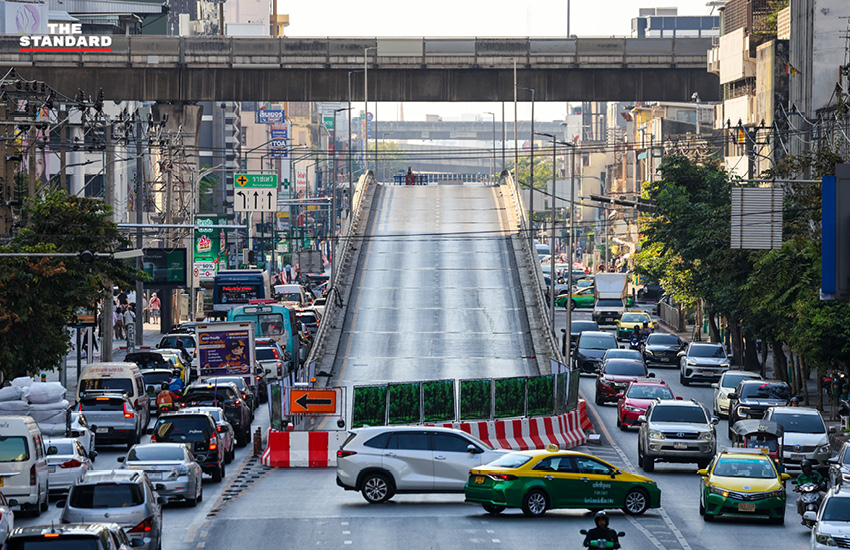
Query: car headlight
x,y
724,366
633,409
718,491
775,494
705,436
824,539
690,363
655,434
823,449
649,352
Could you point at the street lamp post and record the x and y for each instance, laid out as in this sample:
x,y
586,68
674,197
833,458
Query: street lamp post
x,y
366,103
350,170
531,172
332,223
383,137
493,156
572,246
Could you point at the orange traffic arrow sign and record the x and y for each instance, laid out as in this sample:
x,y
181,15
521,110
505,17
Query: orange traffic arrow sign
x,y
313,401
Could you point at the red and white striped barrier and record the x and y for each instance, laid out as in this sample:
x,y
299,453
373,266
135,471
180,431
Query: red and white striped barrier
x,y
318,449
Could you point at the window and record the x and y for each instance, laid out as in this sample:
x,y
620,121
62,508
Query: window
x,y
587,465
744,467
608,302
625,367
182,428
267,354
63,447
64,542
598,342
662,340
124,385
102,404
176,342
637,391
156,378
635,318
155,452
14,449
688,415
271,324
766,391
378,442
511,460
706,350
563,464
732,380
106,495
800,423
414,441
450,443
836,509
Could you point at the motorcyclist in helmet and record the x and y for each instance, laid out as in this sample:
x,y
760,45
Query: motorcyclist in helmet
x,y
809,475
636,335
645,330
601,531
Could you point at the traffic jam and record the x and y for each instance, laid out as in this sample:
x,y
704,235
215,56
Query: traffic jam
x,y
136,437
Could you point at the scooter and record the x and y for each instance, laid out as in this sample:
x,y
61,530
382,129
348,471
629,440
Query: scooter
x,y
602,543
810,498
634,343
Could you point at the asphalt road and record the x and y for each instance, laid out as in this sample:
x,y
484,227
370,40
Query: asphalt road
x,y
435,294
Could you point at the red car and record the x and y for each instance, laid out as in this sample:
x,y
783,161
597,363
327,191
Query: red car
x,y
635,400
615,376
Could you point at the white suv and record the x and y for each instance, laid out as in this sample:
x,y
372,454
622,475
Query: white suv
x,y
831,527
382,461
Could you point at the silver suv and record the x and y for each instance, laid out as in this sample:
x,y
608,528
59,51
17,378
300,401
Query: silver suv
x,y
383,461
702,363
676,431
126,497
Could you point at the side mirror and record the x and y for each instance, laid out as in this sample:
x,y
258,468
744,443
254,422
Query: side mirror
x,y
159,487
785,477
583,531
268,371
651,375
620,395
563,330
472,449
621,534
833,460
137,543
176,372
715,386
810,516
832,429
642,419
121,458
733,395
52,450
160,500
59,504
702,472
149,431
714,420
680,354
150,389
12,501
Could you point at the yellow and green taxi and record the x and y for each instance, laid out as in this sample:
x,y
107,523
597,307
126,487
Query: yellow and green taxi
x,y
540,480
631,319
176,362
582,297
742,482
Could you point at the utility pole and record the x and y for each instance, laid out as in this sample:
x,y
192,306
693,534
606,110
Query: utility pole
x,y
139,204
7,179
570,253
109,196
516,137
63,140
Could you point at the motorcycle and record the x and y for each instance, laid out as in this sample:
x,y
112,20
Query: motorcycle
x,y
602,543
635,343
810,497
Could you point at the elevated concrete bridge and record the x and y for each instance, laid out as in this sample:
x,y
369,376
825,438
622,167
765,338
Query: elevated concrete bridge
x,y
207,68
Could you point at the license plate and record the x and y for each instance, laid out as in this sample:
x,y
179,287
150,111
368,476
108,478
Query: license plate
x,y
681,446
665,359
103,430
746,506
798,457
479,479
51,469
154,475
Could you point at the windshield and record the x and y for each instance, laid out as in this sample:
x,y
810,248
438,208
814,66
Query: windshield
x,y
171,342
800,423
208,397
706,351
106,495
271,324
836,509
732,380
155,452
240,382
509,461
267,354
634,318
637,391
686,415
13,449
102,404
632,354
744,467
662,340
624,367
609,302
177,429
579,326
124,385
598,342
307,318
289,297
63,542
766,391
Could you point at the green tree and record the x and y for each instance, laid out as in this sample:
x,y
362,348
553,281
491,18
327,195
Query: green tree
x,y
391,160
40,296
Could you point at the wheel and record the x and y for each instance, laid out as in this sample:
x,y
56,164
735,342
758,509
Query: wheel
x,y
218,474
779,520
729,428
636,503
648,464
620,424
240,439
640,457
42,506
599,400
493,509
535,503
193,501
248,435
708,518
572,305
201,495
701,508
376,489
684,381
228,456
131,440
223,470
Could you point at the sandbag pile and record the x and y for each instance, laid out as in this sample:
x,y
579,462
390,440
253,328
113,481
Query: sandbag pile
x,y
43,401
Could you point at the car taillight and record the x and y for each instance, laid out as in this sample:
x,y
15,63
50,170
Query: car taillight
x,y
128,412
153,438
259,378
502,477
276,355
73,463
213,443
237,402
80,407
343,453
33,479
244,396
280,369
143,527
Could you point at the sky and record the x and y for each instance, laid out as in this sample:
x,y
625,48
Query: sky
x,y
468,18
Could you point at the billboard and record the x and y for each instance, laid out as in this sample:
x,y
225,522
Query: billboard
x,y
210,244
23,18
166,266
267,116
225,349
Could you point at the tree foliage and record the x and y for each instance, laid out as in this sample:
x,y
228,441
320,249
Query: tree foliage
x,y
39,296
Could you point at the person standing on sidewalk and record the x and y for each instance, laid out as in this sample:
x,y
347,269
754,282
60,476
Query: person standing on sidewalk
x,y
154,306
129,319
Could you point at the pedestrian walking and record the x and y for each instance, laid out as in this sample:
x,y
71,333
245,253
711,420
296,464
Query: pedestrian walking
x,y
154,306
129,319
118,322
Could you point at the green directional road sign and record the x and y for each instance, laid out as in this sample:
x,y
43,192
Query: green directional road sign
x,y
255,181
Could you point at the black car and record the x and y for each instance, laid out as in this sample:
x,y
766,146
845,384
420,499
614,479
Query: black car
x,y
753,397
249,393
650,292
199,431
228,397
590,347
662,350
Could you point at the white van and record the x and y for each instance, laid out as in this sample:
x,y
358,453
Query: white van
x,y
117,377
290,294
23,463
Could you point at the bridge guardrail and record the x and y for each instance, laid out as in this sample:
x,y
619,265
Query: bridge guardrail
x,y
538,294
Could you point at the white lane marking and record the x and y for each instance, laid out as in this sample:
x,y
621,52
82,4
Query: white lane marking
x,y
201,544
346,532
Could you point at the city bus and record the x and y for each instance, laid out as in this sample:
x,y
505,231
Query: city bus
x,y
271,321
237,287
